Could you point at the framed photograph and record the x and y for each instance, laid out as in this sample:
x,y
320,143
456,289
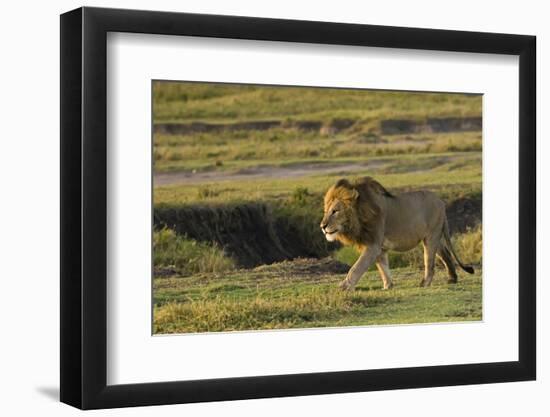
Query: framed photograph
x,y
259,208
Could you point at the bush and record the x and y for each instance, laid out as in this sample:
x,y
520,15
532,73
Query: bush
x,y
187,256
205,192
469,246
300,195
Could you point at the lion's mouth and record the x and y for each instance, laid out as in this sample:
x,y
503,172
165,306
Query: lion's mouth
x,y
331,235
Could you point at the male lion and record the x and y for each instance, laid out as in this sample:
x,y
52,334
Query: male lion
x,y
366,215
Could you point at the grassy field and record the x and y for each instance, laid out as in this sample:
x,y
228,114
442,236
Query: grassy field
x,y
286,296
200,284
452,175
277,147
230,102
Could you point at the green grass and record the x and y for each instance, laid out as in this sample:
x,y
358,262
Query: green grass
x,y
458,177
222,103
214,103
186,256
273,298
223,151
469,245
297,203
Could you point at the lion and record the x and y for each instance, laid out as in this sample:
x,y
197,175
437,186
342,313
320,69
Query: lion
x,y
366,215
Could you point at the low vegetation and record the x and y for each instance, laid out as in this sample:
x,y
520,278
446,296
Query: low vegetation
x,y
185,256
450,175
236,150
232,102
470,245
276,297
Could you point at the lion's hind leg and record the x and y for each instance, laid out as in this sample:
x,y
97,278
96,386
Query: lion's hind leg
x,y
430,249
445,256
384,269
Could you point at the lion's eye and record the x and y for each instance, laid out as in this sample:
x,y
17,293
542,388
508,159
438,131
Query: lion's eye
x,y
334,211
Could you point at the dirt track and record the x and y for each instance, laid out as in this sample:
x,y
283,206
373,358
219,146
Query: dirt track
x,y
298,170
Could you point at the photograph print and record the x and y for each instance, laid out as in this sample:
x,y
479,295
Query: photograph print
x,y
291,207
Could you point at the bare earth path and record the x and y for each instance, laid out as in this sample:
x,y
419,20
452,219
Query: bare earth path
x,y
291,171
298,170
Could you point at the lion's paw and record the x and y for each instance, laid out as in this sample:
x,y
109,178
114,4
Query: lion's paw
x,y
345,285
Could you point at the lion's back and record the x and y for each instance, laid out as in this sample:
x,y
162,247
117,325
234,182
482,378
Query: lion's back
x,y
415,212
420,201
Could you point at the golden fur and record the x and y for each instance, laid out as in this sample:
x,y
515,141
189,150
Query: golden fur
x,y
364,214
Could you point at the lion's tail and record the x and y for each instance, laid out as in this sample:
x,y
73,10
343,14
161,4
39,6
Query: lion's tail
x,y
468,268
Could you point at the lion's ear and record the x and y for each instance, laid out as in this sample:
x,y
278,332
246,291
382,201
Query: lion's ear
x,y
342,183
354,194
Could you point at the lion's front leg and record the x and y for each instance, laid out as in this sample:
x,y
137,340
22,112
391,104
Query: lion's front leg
x,y
384,269
366,259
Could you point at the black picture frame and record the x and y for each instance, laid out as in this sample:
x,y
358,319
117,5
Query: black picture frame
x,y
84,207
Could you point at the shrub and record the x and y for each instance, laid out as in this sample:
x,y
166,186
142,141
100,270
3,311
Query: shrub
x,y
469,245
300,195
174,156
205,192
188,256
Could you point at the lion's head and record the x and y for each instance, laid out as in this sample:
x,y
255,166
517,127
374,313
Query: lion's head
x,y
340,218
352,211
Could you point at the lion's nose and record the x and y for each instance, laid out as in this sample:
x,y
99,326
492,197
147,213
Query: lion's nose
x,y
323,225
